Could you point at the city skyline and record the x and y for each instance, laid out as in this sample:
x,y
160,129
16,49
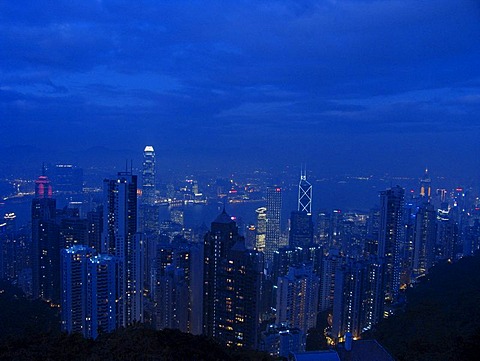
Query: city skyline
x,y
275,176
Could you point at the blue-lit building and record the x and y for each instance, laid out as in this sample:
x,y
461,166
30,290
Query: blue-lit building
x,y
102,294
121,239
74,296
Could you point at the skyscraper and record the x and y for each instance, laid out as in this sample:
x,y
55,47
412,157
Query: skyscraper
x,y
120,239
74,295
178,286
148,176
261,229
148,209
273,229
426,186
232,286
425,233
358,299
390,238
304,194
45,243
301,229
102,294
297,298
301,225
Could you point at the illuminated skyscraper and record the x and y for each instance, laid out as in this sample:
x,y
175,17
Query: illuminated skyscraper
x,y
301,225
261,229
102,275
45,243
74,295
297,298
273,229
148,176
120,239
358,297
148,209
232,286
426,186
304,194
390,237
425,233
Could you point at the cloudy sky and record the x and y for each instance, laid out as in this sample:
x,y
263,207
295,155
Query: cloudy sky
x,y
366,86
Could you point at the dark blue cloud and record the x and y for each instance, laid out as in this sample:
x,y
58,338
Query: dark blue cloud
x,y
288,78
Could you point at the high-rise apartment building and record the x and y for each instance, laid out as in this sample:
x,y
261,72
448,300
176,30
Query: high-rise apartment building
x,y
90,301
120,239
232,286
297,298
425,233
358,297
45,243
74,281
390,238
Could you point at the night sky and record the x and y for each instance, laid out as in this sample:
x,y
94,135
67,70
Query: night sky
x,y
345,86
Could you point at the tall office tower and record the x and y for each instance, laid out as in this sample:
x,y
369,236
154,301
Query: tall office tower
x,y
358,302
148,176
274,214
45,245
101,293
232,286
331,261
261,229
74,282
297,298
425,233
301,224
121,240
390,238
301,229
149,211
426,186
304,194
323,229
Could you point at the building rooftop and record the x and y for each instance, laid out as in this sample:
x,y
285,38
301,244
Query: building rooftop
x,y
364,350
327,355
223,218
